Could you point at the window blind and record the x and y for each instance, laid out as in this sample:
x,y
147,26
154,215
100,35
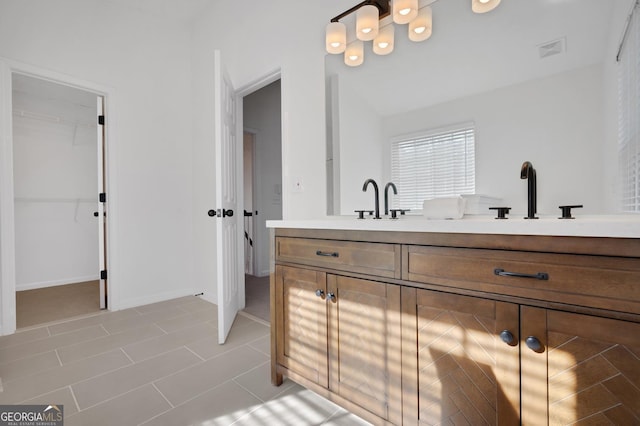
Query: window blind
x,y
434,164
629,115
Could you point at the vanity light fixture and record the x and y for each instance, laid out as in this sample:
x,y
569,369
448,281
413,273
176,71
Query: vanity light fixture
x,y
368,16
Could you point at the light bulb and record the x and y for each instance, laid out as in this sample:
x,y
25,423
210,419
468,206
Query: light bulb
x,y
383,43
367,22
421,27
336,37
404,11
354,54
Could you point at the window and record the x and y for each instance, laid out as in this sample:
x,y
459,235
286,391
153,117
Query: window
x,y
436,163
629,115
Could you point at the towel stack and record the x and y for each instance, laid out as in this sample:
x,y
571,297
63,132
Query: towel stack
x,y
479,204
444,208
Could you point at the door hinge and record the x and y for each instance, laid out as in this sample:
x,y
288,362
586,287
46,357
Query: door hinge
x,y
103,274
103,197
101,120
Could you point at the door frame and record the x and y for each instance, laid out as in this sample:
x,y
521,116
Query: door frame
x,y
7,217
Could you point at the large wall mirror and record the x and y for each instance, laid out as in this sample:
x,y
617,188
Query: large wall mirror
x,y
537,79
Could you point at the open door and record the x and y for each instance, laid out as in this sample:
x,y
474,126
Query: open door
x,y
227,188
102,202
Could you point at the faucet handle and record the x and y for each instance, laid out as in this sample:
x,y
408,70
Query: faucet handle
x,y
502,212
566,211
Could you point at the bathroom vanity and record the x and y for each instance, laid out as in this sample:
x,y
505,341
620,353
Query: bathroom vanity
x,y
478,321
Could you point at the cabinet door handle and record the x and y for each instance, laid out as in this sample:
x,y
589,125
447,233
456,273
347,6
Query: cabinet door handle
x,y
507,337
534,344
538,276
327,253
320,293
331,297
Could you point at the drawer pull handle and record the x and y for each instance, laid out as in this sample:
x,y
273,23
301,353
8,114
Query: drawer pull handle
x,y
327,254
538,276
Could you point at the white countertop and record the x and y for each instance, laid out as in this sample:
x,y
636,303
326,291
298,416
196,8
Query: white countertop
x,y
620,226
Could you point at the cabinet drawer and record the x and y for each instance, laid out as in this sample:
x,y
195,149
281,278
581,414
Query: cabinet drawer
x,y
603,282
367,258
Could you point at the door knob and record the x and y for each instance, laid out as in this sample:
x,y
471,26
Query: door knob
x,y
319,293
331,297
211,213
227,212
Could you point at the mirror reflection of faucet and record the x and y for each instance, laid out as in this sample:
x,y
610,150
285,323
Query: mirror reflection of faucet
x,y
529,173
386,196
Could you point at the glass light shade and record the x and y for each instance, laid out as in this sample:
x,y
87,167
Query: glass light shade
x,y
404,11
421,27
367,22
336,37
482,6
354,54
383,43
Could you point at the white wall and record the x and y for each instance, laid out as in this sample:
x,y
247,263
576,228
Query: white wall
x,y
145,62
563,140
262,116
55,165
255,38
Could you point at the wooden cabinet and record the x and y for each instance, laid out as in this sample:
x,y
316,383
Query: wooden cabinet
x,y
476,361
456,368
341,334
587,370
301,319
412,329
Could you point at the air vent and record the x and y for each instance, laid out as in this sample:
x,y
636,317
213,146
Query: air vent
x,y
551,48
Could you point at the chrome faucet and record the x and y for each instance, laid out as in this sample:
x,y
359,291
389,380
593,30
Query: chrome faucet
x,y
375,187
529,173
386,196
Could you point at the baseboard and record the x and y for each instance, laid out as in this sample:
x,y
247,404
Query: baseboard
x,y
154,298
43,284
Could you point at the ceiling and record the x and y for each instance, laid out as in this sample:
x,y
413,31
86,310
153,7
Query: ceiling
x,y
473,53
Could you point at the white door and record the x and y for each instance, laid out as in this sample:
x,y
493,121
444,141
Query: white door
x,y
227,188
102,224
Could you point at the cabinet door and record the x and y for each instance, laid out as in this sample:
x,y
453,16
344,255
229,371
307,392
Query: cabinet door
x,y
364,344
587,370
301,322
456,367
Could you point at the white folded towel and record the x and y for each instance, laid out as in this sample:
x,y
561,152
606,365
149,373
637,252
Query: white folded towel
x,y
444,208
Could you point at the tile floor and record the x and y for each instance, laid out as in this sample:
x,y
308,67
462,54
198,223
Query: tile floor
x,y
157,364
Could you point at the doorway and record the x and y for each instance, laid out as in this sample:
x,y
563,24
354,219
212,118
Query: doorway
x,y
262,189
59,219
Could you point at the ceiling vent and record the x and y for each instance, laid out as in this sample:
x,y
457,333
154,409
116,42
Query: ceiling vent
x,y
551,48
